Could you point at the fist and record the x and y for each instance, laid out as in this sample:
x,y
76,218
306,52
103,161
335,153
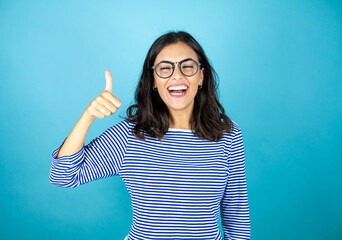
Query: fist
x,y
105,104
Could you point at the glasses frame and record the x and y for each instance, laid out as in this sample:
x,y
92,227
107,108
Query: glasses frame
x,y
179,67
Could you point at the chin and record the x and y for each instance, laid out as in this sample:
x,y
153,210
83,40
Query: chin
x,y
178,107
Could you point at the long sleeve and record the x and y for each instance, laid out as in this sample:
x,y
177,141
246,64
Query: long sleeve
x,y
101,158
234,203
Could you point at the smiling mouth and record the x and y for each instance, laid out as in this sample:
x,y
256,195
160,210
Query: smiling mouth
x,y
177,90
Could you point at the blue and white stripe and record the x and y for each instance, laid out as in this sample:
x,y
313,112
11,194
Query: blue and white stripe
x,y
177,186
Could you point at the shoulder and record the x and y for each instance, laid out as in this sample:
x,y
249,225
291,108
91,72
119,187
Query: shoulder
x,y
125,124
233,140
123,128
236,131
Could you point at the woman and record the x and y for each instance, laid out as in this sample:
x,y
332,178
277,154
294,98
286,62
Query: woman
x,y
179,155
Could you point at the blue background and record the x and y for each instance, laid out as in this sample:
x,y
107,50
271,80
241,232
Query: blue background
x,y
279,64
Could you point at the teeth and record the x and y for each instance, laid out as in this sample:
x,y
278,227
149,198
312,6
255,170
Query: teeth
x,y
178,88
172,93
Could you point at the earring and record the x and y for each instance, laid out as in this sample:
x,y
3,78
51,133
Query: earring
x,y
154,89
200,86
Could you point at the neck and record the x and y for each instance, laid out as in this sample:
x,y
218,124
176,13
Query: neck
x,y
180,120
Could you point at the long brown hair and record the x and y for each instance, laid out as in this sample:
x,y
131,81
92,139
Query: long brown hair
x,y
151,115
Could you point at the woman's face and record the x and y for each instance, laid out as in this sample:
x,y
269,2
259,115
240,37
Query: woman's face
x,y
177,102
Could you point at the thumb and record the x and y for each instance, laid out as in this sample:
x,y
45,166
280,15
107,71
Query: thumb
x,y
109,81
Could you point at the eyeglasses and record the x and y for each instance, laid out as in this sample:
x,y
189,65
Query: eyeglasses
x,y
188,67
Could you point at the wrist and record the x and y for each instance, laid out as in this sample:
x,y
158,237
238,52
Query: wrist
x,y
87,119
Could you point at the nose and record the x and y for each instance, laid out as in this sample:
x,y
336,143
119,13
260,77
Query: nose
x,y
177,73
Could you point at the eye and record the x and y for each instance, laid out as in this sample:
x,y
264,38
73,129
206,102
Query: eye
x,y
188,66
165,68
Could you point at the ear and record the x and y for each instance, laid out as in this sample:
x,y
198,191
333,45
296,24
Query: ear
x,y
154,86
201,77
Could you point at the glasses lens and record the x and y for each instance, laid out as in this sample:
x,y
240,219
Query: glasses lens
x,y
164,69
189,67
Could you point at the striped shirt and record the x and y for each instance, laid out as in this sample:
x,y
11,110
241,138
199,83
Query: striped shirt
x,y
177,186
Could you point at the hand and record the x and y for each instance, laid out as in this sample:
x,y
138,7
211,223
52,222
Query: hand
x,y
105,104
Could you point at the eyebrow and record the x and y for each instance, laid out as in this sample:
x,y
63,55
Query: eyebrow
x,y
178,61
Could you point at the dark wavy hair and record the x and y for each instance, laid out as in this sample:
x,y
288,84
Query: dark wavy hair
x,y
151,115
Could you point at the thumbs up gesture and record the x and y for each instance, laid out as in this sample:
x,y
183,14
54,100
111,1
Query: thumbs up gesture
x,y
105,104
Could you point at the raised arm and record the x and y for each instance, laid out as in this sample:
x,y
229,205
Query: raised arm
x,y
72,163
103,105
234,204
